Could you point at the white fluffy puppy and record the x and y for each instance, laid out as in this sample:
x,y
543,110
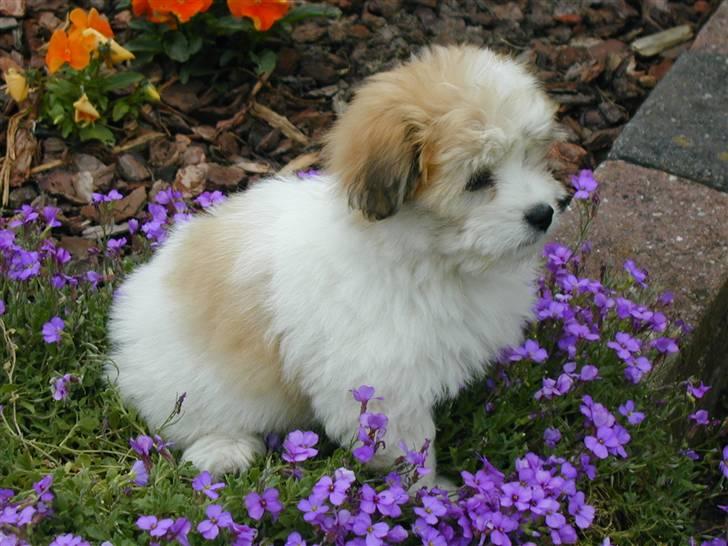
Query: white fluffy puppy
x,y
407,265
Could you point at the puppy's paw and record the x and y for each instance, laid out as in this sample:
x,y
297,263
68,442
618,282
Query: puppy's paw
x,y
221,454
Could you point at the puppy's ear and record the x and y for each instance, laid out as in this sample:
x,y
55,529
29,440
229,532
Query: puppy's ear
x,y
374,151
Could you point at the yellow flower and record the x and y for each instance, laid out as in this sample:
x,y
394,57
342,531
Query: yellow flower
x,y
151,92
119,54
17,85
84,112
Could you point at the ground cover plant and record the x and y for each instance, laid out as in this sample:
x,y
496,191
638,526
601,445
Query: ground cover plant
x,y
568,440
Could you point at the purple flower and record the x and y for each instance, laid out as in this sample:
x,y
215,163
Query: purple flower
x,y
24,265
701,417
50,215
373,532
43,488
298,446
142,445
584,184
59,387
257,504
636,369
67,539
209,199
637,274
633,417
582,512
551,437
373,501
312,508
155,527
133,226
363,394
531,350
113,195
2,307
364,453
557,256
333,491
724,463
216,519
500,526
588,373
699,391
624,345
114,246
665,345
179,530
431,510
53,329
605,438
139,473
203,483
295,539
27,215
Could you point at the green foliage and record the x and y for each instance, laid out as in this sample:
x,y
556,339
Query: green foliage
x,y
115,95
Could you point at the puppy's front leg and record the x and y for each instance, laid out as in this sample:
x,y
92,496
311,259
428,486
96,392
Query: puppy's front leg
x,y
412,425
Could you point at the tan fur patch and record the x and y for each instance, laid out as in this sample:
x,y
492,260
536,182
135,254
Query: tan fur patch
x,y
228,320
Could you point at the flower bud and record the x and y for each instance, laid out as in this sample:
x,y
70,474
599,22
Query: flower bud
x,y
84,111
151,93
17,85
118,53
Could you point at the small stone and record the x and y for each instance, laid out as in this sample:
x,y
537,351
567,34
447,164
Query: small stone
x,y
360,32
224,176
22,195
190,180
308,32
194,155
132,168
129,206
49,21
385,8
13,8
7,23
77,246
508,12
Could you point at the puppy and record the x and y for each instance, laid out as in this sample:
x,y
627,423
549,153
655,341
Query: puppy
x,y
407,265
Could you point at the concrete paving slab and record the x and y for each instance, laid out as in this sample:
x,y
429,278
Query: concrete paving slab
x,y
675,228
713,37
682,127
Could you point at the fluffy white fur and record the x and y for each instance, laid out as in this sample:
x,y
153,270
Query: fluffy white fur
x,y
269,310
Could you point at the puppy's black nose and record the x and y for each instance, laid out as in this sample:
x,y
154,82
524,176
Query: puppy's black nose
x,y
539,216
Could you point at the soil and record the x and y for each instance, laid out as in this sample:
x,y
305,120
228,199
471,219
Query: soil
x,y
228,135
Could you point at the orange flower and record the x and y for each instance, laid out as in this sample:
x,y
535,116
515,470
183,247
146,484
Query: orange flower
x,y
183,9
263,12
82,20
142,8
74,50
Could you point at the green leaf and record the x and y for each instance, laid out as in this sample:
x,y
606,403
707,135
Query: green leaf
x,y
177,47
307,11
121,80
195,44
230,25
121,109
97,132
145,43
265,62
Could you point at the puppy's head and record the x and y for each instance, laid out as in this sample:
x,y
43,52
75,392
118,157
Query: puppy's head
x,y
457,133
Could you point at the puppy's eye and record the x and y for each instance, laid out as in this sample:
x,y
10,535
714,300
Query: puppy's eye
x,y
480,180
